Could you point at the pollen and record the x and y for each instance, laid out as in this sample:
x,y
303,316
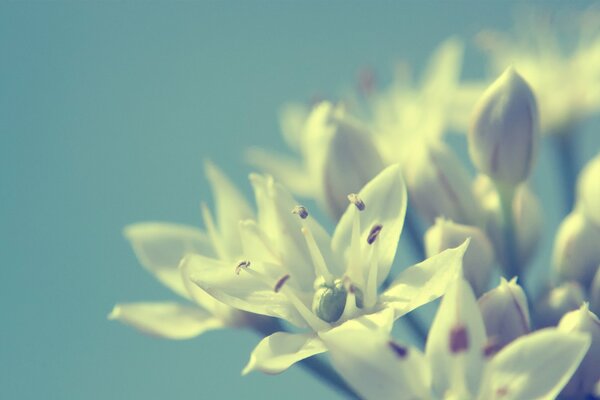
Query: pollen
x,y
354,199
301,211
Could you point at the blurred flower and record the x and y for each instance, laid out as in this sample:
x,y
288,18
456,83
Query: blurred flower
x,y
588,190
505,313
293,270
504,130
439,185
595,292
557,301
458,363
160,247
539,52
479,260
338,156
588,373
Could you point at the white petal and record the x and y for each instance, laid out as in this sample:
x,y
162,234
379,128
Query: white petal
x,y
385,200
535,366
242,291
167,320
160,247
426,281
276,353
376,367
458,309
231,207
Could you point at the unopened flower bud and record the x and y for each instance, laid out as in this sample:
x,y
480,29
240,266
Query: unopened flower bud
x,y
351,160
527,218
558,301
439,185
587,375
478,261
595,293
505,313
577,249
504,130
588,190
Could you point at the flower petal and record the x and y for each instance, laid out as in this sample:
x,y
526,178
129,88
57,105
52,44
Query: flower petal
x,y
385,200
167,320
424,282
160,247
458,311
535,366
242,291
276,353
375,366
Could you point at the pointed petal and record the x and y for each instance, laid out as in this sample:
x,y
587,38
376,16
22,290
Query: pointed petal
x,y
375,366
535,366
242,291
426,281
166,320
231,207
458,310
276,353
160,247
385,200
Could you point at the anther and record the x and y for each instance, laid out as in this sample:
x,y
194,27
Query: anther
x,y
301,211
241,265
374,233
281,282
354,199
459,339
400,351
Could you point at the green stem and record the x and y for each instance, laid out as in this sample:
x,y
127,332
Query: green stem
x,y
511,251
314,365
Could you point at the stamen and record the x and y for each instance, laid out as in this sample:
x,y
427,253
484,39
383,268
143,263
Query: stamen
x,y
316,256
371,288
354,199
301,211
241,265
491,347
459,339
400,351
281,282
374,233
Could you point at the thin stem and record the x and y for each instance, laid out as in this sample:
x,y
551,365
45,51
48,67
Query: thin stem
x,y
565,148
511,251
314,365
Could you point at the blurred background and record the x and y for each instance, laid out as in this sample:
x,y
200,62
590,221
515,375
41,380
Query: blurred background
x,y
107,111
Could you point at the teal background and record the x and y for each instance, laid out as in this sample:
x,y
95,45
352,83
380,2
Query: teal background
x,y
106,113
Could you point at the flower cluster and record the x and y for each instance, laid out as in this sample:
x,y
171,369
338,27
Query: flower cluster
x,y
276,270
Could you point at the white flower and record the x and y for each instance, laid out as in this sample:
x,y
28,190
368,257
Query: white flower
x,y
160,246
292,269
566,83
458,362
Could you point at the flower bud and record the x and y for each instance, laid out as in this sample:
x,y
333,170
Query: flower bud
x,y
587,375
577,249
439,186
588,190
329,301
505,313
527,218
558,301
504,130
595,293
351,160
478,261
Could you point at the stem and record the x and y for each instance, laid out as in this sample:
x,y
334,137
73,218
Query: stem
x,y
564,145
511,251
314,365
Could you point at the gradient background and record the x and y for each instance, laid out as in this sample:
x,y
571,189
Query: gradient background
x,y
106,113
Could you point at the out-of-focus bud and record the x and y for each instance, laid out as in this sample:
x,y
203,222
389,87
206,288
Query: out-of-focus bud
x,y
588,190
595,293
505,313
478,261
439,185
558,301
527,218
588,373
577,249
504,130
350,162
